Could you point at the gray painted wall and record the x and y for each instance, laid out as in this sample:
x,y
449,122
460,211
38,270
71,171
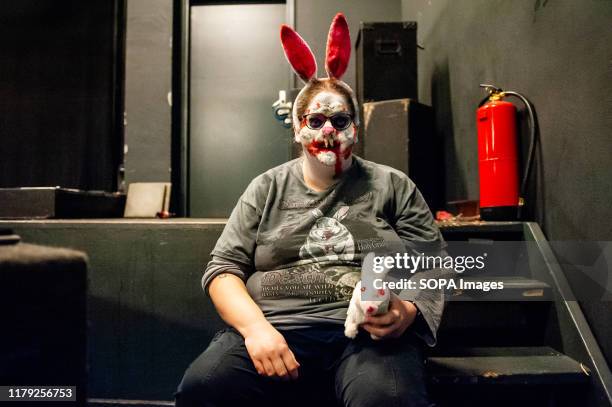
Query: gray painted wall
x,y
148,80
558,54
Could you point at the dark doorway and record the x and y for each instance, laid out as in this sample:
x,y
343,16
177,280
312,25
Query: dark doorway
x,y
236,70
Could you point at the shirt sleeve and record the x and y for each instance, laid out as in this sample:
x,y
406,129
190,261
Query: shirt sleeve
x,y
414,224
219,265
235,248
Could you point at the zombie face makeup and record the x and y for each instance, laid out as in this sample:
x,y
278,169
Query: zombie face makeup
x,y
327,131
325,116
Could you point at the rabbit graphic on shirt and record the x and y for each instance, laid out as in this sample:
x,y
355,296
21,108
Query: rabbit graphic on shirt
x,y
328,238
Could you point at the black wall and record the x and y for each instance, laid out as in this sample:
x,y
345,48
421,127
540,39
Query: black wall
x,y
558,54
60,93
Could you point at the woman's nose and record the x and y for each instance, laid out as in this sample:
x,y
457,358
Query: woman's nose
x,y
327,130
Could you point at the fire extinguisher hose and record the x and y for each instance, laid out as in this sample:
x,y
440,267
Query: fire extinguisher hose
x,y
531,151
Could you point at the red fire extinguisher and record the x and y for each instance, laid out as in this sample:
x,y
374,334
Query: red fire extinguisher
x,y
498,159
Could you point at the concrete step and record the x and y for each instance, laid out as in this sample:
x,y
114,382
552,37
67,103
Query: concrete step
x,y
515,288
518,315
506,377
505,365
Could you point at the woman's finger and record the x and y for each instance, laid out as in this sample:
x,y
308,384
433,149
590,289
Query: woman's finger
x,y
376,330
279,367
259,367
385,319
382,331
268,367
291,364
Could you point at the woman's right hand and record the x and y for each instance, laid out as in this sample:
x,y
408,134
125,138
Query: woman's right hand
x,y
266,346
269,351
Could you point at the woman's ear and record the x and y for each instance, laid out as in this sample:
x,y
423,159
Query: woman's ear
x,y
298,53
338,47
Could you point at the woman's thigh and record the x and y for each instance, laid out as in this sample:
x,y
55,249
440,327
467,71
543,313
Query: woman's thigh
x,y
382,373
222,375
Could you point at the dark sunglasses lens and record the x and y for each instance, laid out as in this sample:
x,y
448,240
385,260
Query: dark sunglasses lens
x,y
316,121
341,121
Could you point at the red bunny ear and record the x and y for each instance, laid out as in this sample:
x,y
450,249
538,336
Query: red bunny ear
x,y
338,47
298,53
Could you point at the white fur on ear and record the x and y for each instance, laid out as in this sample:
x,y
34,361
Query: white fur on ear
x,y
341,213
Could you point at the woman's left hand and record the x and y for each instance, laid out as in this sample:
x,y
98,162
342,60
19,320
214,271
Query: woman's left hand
x,y
394,322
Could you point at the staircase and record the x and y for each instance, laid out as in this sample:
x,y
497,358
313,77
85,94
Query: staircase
x,y
522,346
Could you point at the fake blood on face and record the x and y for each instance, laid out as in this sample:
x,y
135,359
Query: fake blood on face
x,y
345,155
317,147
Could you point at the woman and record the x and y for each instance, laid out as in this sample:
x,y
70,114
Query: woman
x,y
284,268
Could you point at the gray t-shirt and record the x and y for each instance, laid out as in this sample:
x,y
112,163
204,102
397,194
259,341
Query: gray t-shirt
x,y
299,251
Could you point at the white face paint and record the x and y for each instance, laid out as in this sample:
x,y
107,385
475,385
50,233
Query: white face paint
x,y
327,144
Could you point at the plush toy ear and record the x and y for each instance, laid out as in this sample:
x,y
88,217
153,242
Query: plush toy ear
x,y
338,47
298,53
316,213
341,213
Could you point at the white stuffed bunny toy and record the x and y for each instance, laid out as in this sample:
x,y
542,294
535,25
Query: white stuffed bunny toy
x,y
366,300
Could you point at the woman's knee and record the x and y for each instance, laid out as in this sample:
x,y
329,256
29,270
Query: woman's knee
x,y
212,374
376,377
193,388
388,394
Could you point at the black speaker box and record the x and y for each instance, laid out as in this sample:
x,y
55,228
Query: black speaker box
x,y
387,61
400,133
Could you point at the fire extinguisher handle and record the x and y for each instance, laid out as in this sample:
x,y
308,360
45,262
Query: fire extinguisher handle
x,y
491,88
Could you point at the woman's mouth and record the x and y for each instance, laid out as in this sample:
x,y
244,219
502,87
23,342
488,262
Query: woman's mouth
x,y
324,145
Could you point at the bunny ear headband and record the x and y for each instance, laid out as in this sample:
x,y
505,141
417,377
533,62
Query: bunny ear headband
x,y
302,59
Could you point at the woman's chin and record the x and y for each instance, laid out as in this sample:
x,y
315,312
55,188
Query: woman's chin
x,y
327,158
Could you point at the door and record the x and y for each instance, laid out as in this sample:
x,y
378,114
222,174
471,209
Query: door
x,y
237,68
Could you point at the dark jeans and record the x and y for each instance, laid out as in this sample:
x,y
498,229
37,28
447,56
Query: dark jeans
x,y
334,370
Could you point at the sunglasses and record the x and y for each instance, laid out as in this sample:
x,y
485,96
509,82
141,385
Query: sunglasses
x,y
340,121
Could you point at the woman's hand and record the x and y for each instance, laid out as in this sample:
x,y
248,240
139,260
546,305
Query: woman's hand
x,y
266,346
269,351
394,322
